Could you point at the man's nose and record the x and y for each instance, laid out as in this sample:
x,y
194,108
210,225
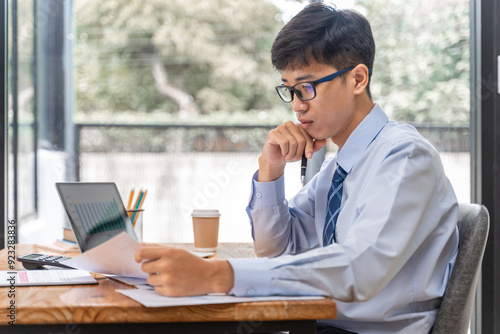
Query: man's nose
x,y
298,105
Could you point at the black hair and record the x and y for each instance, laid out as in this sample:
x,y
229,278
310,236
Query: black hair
x,y
340,38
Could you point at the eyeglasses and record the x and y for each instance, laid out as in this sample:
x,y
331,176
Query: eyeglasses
x,y
305,90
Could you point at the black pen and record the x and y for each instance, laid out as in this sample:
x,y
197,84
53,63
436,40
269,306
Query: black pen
x,y
303,167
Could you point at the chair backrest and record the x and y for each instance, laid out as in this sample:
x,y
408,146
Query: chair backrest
x,y
458,300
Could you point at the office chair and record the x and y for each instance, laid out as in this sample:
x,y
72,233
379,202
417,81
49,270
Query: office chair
x,y
458,300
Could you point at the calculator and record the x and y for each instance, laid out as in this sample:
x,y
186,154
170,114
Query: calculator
x,y
37,261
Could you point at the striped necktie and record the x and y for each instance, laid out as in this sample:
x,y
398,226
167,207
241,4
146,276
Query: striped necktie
x,y
333,205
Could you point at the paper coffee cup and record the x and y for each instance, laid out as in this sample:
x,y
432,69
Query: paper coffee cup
x,y
205,230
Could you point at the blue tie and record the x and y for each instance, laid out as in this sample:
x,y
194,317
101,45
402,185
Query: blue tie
x,y
333,205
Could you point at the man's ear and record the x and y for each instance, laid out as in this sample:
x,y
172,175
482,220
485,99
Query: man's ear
x,y
361,76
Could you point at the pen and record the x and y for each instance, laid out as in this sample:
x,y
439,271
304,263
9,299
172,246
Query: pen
x,y
303,167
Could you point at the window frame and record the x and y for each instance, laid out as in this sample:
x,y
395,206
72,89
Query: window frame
x,y
485,154
4,41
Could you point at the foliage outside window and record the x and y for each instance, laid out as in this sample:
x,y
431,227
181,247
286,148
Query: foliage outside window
x,y
188,58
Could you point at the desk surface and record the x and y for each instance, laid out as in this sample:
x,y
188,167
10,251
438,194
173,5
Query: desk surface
x,y
91,304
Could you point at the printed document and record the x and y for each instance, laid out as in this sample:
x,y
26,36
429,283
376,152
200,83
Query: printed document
x,y
45,277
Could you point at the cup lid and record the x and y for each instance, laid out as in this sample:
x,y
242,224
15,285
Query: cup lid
x,y
205,213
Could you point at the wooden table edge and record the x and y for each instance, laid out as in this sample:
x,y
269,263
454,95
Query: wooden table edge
x,y
252,311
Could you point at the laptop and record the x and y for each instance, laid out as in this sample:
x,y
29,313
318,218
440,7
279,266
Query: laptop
x,y
96,212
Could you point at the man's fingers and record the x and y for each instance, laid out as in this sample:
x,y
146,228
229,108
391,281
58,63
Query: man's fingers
x,y
285,137
288,131
292,140
152,266
155,280
148,252
309,143
300,139
166,287
281,140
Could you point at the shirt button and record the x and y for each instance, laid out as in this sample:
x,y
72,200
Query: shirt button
x,y
251,291
259,195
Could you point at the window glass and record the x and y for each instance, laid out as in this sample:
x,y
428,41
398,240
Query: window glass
x,y
421,74
186,88
177,97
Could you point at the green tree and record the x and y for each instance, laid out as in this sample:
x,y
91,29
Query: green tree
x,y
421,69
213,55
176,55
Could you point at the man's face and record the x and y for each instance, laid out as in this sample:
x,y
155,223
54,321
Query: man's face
x,y
331,114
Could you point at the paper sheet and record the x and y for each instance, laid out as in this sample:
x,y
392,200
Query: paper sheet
x,y
202,254
45,277
115,256
150,298
135,281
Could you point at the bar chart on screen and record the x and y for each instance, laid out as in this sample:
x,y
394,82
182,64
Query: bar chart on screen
x,y
98,217
96,212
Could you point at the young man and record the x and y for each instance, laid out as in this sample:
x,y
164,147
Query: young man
x,y
375,229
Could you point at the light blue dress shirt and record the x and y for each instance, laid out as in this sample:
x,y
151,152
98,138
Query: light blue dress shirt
x,y
397,233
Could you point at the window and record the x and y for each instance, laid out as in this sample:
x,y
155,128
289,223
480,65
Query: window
x,y
104,91
179,102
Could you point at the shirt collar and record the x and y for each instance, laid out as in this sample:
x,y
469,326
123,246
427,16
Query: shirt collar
x,y
361,137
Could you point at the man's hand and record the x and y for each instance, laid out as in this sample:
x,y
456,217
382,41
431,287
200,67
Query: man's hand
x,y
176,272
285,144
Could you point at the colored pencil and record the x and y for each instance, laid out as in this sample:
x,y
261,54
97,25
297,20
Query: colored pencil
x,y
140,206
130,197
136,206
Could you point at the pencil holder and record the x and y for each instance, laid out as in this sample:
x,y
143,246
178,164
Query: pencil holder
x,y
137,219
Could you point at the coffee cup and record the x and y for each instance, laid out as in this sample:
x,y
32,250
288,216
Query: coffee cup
x,y
205,230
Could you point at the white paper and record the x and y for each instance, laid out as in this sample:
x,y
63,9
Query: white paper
x,y
135,281
115,256
45,277
150,298
202,254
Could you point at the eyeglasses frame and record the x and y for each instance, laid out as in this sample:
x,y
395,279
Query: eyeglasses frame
x,y
330,77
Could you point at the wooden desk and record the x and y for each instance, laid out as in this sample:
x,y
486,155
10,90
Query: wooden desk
x,y
100,309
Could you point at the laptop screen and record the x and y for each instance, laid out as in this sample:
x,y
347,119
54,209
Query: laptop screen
x,y
95,211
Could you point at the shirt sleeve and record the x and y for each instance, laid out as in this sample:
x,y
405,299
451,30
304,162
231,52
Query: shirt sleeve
x,y
279,227
398,208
